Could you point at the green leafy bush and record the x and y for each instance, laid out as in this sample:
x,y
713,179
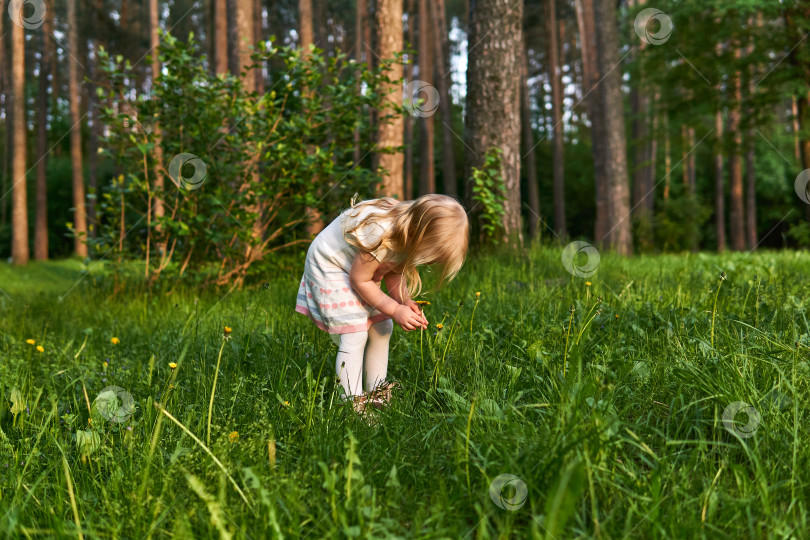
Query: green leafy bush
x,y
488,193
243,173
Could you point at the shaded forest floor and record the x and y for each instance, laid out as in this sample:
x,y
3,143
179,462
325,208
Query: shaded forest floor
x,y
610,415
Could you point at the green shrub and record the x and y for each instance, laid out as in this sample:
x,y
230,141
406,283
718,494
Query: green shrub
x,y
253,169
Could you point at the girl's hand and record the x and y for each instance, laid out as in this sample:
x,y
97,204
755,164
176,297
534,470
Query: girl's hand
x,y
418,310
405,317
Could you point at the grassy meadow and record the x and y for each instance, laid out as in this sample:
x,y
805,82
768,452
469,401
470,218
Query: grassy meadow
x,y
604,397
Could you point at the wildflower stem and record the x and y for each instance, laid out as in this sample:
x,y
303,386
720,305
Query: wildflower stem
x,y
204,447
452,333
73,506
567,335
714,309
467,446
213,393
587,323
473,314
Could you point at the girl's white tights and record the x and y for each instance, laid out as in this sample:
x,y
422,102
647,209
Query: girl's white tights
x,y
363,349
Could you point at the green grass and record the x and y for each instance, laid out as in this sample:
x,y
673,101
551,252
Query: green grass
x,y
619,434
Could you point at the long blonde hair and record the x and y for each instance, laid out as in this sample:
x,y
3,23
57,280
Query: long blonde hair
x,y
432,229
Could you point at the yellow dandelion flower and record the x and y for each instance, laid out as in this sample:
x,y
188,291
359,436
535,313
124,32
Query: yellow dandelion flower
x,y
228,330
30,341
286,403
40,348
115,340
439,326
172,365
587,283
617,316
233,437
105,365
421,303
478,294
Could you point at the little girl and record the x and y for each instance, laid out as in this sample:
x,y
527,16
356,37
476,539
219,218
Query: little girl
x,y
376,240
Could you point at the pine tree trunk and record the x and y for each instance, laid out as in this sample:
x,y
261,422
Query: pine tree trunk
x,y
442,49
750,171
390,131
359,54
619,236
750,194
555,74
591,76
407,171
667,158
736,218
639,104
220,36
245,40
19,212
154,25
652,158
307,36
258,35
80,215
493,96
427,172
41,219
532,188
95,132
719,184
4,95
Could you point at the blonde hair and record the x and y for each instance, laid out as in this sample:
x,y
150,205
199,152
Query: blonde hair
x,y
432,229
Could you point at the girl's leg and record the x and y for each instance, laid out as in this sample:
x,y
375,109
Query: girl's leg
x,y
376,363
349,362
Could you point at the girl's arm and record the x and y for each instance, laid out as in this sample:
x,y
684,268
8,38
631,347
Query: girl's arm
x,y
361,279
398,290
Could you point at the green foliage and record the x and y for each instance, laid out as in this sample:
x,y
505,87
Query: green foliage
x,y
488,194
267,164
680,223
620,433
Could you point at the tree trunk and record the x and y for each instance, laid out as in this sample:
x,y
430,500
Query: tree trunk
x,y
442,49
719,184
750,194
80,215
245,40
493,96
667,158
390,132
750,172
591,76
258,35
359,54
639,104
154,25
532,188
555,74
95,132
4,95
220,36
19,212
407,171
233,38
736,218
427,172
307,35
41,219
619,237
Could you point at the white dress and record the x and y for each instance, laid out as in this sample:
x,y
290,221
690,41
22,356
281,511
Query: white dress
x,y
325,294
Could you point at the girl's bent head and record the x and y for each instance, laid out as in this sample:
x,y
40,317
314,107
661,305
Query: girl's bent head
x,y
431,230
